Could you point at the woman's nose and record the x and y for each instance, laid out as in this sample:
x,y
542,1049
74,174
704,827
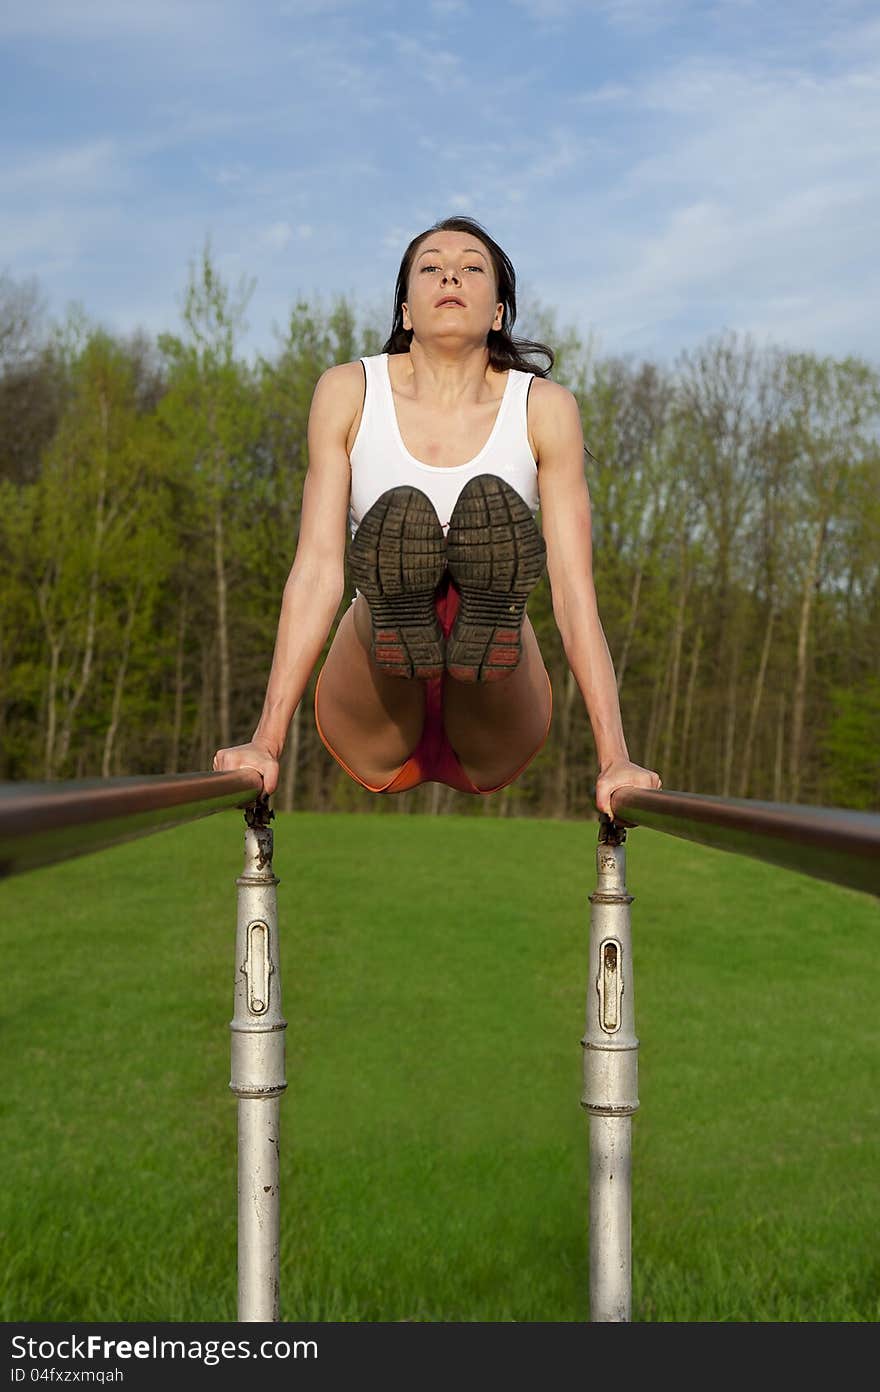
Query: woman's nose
x,y
450,275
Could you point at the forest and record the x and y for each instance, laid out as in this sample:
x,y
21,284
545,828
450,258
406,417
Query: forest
x,y
150,493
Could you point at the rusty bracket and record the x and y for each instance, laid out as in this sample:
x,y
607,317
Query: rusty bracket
x,y
259,813
611,833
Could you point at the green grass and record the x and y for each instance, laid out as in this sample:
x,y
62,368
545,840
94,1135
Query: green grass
x,y
433,1150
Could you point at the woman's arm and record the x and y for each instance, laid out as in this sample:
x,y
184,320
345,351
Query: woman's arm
x,y
555,427
316,581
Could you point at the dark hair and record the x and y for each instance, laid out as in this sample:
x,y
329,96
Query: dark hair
x,y
504,350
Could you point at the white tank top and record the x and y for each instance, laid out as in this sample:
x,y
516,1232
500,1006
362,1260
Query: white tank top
x,y
380,459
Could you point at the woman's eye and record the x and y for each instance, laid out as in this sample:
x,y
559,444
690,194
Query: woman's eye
x,y
431,267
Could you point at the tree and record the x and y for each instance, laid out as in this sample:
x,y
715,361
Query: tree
x,y
831,423
208,413
99,548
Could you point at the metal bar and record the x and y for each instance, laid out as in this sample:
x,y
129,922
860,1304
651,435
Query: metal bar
x,y
829,843
610,1092
41,823
257,1072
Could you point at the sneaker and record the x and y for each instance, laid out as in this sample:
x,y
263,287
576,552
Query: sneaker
x,y
397,558
496,557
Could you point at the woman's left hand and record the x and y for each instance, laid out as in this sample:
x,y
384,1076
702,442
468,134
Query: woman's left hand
x,y
622,774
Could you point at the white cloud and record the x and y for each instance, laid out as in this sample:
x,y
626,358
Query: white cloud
x,y
747,217
651,194
230,174
606,92
76,169
549,11
855,40
277,235
99,19
755,135
331,67
424,62
641,15
307,9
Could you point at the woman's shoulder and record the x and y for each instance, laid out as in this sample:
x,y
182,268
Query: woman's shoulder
x,y
343,376
548,398
554,416
341,385
544,389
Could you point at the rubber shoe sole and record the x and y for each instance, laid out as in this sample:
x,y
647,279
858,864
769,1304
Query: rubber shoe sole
x,y
397,558
496,557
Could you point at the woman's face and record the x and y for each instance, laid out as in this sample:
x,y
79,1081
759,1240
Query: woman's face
x,y
452,293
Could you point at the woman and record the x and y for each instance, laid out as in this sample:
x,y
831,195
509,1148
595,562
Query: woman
x,y
438,453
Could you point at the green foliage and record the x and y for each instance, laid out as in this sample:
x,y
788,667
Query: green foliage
x,y
851,744
150,515
88,550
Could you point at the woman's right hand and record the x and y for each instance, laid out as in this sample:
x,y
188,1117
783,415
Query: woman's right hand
x,y
251,755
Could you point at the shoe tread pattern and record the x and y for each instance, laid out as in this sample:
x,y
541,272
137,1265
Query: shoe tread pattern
x,y
397,558
496,556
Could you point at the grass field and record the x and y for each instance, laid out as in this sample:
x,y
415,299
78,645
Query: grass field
x,y
433,1150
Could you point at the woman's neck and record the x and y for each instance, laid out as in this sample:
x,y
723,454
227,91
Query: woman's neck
x,y
445,373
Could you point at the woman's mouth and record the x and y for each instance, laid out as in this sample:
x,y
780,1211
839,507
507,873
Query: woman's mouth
x,y
449,300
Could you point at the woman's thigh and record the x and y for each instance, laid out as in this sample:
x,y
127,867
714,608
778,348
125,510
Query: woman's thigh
x,y
373,721
495,727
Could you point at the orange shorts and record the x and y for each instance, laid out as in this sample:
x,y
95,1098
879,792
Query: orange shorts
x,y
433,760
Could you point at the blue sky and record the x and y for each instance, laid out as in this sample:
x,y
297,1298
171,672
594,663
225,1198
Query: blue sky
x,y
659,170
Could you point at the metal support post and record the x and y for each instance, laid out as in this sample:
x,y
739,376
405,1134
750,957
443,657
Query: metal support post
x,y
610,1081
257,1071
